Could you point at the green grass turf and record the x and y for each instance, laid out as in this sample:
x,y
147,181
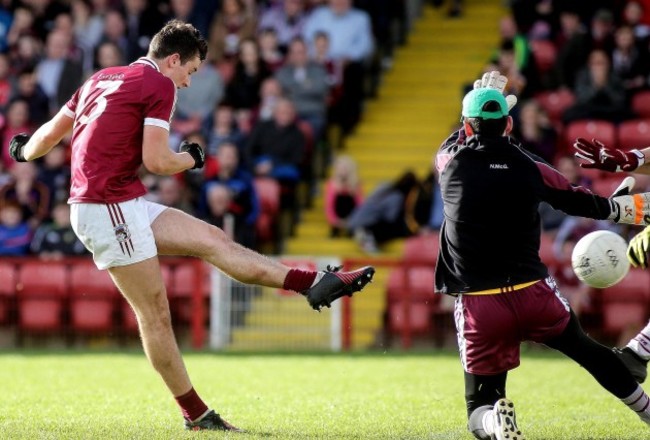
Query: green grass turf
x,y
88,395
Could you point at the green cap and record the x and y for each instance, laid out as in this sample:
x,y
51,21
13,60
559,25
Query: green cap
x,y
474,101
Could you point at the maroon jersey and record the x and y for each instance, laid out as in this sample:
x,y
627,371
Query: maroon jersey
x,y
110,111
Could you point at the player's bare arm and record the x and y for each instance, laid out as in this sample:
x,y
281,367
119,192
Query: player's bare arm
x,y
26,148
595,154
158,158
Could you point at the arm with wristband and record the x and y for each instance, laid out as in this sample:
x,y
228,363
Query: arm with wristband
x,y
598,156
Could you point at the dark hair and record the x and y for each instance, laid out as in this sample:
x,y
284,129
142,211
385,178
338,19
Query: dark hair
x,y
181,38
489,127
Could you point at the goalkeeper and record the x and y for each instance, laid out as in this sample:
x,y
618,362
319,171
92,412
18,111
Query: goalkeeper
x,y
599,156
489,260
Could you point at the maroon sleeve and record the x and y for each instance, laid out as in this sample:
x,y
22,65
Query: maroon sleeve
x,y
159,98
449,148
571,199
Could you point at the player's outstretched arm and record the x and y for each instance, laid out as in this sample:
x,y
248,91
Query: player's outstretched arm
x,y
597,155
159,159
25,148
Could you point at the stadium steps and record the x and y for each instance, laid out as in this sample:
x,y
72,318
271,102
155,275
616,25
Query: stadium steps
x,y
418,106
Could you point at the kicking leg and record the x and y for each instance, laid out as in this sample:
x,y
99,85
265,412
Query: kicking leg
x,y
178,233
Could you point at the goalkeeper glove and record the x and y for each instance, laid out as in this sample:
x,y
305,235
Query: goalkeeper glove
x,y
600,157
195,151
17,146
637,250
631,209
494,80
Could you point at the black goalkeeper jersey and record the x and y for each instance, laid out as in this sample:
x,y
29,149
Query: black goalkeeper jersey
x,y
491,188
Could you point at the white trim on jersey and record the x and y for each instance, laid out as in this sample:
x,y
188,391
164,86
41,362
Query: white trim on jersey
x,y
157,122
147,61
67,111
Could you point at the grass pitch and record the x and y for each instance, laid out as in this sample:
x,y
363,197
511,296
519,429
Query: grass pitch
x,y
89,395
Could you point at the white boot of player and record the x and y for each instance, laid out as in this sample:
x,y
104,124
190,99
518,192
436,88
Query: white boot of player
x,y
504,421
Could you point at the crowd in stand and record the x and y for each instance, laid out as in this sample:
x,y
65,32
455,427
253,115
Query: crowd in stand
x,y
279,74
572,63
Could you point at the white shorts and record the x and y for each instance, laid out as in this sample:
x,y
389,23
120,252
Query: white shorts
x,y
117,234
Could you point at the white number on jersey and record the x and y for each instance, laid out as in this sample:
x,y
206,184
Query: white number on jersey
x,y
92,101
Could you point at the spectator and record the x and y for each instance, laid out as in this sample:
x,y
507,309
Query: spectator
x,y
56,66
351,42
28,89
250,71
270,95
381,217
21,25
141,24
243,205
572,43
195,104
55,173
26,54
88,30
15,233
56,239
108,55
305,82
171,192
599,92
232,25
5,24
218,199
17,121
343,193
276,147
5,81
629,62
633,14
27,192
287,19
115,31
270,53
224,129
602,31
535,131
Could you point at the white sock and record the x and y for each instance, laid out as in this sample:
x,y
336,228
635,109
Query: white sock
x,y
488,422
640,344
639,402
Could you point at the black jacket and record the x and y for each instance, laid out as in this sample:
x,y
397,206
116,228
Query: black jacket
x,y
491,188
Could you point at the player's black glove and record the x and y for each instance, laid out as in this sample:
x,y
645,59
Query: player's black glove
x,y
195,151
17,145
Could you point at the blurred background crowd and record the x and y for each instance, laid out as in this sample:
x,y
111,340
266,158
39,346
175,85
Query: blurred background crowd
x,y
283,86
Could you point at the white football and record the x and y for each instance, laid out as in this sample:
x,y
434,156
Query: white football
x,y
599,259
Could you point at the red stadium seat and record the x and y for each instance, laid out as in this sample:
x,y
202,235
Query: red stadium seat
x,y
268,192
419,317
604,131
422,249
41,293
555,102
92,299
626,304
544,53
606,186
7,291
634,134
181,291
420,284
641,104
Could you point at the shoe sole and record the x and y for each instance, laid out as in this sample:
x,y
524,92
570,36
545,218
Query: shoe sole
x,y
506,428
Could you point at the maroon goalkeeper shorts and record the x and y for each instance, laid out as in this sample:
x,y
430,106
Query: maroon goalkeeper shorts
x,y
491,327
